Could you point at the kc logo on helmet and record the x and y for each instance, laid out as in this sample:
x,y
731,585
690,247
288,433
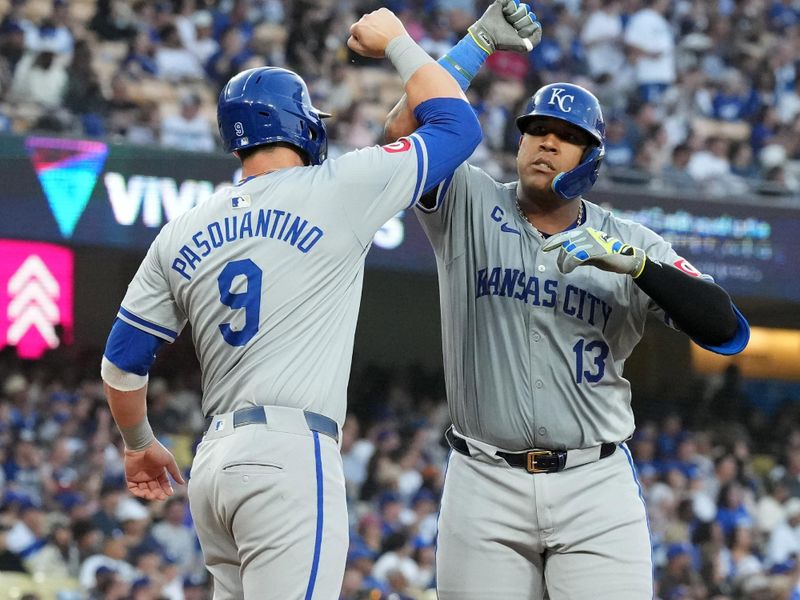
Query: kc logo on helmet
x,y
558,97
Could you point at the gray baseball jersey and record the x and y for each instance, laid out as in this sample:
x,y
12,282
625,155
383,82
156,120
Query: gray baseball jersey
x,y
269,274
533,358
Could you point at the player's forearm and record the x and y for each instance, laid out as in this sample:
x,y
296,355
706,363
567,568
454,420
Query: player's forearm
x,y
129,410
700,308
462,62
422,77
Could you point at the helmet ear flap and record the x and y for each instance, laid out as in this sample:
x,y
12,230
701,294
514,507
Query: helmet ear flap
x,y
578,181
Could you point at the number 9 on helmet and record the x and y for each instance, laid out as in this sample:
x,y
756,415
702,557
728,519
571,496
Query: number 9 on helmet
x,y
267,105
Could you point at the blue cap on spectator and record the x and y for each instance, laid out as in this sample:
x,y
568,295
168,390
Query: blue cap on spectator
x,y
385,434
103,570
69,500
387,497
140,582
680,592
21,499
647,470
678,549
423,495
420,542
359,551
10,27
63,397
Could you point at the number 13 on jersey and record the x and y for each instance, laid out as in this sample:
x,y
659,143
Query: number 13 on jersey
x,y
593,354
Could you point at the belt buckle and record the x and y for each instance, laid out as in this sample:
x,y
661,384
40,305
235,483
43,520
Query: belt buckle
x,y
531,465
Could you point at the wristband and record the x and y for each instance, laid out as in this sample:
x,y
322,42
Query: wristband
x,y
137,437
464,60
406,56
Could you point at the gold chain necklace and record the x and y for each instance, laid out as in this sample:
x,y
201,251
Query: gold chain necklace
x,y
578,222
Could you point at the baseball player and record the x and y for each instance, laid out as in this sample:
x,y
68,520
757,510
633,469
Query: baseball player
x,y
269,274
544,295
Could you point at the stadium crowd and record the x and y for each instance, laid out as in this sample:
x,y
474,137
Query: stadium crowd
x,y
721,483
703,96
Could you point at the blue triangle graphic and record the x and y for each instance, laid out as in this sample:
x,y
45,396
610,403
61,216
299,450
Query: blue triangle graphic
x,y
67,171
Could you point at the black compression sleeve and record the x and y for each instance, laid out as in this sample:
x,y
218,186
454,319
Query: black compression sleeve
x,y
700,308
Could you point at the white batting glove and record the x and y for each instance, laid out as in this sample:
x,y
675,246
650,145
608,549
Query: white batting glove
x,y
507,25
593,247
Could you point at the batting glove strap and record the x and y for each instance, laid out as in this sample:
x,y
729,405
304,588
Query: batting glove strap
x,y
594,247
507,25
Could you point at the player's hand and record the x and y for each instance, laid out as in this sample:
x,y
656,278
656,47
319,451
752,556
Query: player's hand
x,y
507,25
592,247
146,472
370,35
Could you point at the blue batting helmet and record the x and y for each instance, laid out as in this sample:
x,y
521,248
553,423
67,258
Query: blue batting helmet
x,y
267,105
578,106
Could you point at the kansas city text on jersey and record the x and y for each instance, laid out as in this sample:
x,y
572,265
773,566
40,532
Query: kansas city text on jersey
x,y
267,223
513,283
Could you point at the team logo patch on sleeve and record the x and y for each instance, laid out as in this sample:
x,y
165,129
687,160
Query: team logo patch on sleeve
x,y
687,267
401,145
240,201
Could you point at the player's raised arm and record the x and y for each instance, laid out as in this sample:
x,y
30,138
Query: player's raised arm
x,y
448,125
506,25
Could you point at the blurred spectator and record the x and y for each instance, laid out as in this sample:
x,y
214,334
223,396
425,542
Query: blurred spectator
x,y
196,35
190,129
27,536
105,518
235,17
114,20
174,62
111,560
619,151
601,37
24,467
83,95
122,110
735,101
396,557
228,60
710,164
676,173
743,563
59,558
39,79
731,511
140,62
680,573
174,536
651,41
9,561
784,539
53,33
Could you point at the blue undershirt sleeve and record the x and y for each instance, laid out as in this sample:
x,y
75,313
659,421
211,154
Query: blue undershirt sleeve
x,y
130,348
450,131
464,60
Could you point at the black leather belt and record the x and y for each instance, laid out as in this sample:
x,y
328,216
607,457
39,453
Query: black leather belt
x,y
533,461
255,415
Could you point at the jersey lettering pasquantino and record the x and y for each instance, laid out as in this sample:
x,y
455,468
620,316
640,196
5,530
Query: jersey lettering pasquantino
x,y
533,358
270,277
